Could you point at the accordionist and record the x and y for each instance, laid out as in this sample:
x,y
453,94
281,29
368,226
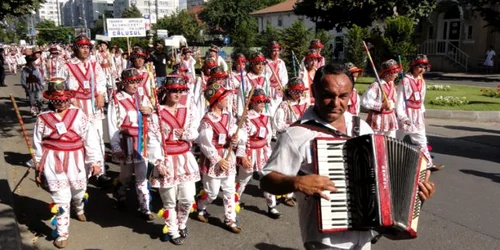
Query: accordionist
x,y
291,168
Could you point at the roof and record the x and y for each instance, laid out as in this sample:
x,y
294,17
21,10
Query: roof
x,y
285,6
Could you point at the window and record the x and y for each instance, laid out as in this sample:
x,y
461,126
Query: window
x,y
280,21
431,32
469,32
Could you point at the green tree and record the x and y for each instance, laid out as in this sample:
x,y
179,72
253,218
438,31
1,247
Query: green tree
x,y
99,24
18,7
488,9
48,32
326,39
295,39
132,12
354,46
267,36
245,37
398,38
182,23
329,14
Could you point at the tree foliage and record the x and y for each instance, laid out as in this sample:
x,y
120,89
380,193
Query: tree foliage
x,y
488,9
48,32
329,14
182,23
131,12
327,39
354,46
398,38
18,7
294,40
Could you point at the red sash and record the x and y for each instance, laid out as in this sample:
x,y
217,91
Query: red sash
x,y
299,109
144,83
175,147
354,103
81,92
274,77
258,81
219,128
254,141
68,141
416,87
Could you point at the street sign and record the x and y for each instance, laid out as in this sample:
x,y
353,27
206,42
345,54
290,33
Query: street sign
x,y
162,33
126,27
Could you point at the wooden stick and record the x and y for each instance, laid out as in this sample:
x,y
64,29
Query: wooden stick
x,y
240,122
28,143
375,71
283,90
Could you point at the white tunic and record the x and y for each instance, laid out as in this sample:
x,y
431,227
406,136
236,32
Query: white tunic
x,y
410,107
257,140
63,145
175,150
372,99
287,113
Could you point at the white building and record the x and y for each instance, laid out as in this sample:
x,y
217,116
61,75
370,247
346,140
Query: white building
x,y
51,10
155,8
281,16
193,3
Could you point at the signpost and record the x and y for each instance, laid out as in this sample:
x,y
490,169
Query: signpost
x,y
162,34
126,27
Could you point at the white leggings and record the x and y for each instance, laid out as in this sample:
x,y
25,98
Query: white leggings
x,y
178,213
63,198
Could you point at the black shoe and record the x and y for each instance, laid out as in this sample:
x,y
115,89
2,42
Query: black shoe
x,y
104,181
273,212
177,241
184,232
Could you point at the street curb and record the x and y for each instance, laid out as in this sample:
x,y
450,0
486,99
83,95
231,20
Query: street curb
x,y
476,116
10,236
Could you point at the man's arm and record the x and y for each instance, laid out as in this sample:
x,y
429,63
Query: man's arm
x,y
314,185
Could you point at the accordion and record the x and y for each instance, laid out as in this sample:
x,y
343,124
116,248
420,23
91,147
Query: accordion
x,y
377,181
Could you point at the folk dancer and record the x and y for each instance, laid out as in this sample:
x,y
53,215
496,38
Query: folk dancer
x,y
279,75
217,134
381,102
197,90
125,123
181,70
255,77
64,143
138,59
353,106
291,169
176,170
105,59
87,79
258,148
11,60
236,80
213,52
410,107
39,60
54,64
307,73
188,61
316,45
33,83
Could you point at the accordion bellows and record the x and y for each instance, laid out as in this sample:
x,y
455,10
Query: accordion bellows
x,y
377,181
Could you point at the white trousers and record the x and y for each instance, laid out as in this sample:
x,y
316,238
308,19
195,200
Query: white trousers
x,y
418,138
141,183
243,178
177,201
212,186
63,198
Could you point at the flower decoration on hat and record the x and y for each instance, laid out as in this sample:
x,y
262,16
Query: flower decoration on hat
x,y
421,59
316,44
259,96
296,84
57,92
131,76
173,83
215,92
217,74
352,68
138,53
258,57
82,40
389,67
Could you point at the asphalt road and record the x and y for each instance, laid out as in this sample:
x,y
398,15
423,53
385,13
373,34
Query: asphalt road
x,y
463,214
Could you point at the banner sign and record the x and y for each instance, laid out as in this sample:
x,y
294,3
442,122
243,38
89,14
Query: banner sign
x,y
126,27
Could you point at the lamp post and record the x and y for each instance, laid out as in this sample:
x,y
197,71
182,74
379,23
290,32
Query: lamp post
x,y
103,22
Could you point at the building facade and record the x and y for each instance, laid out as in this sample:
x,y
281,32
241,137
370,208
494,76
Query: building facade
x,y
155,8
51,10
192,3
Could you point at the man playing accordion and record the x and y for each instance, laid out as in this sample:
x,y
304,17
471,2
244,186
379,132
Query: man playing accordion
x,y
292,168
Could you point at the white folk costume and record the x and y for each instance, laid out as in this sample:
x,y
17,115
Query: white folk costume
x,y
148,83
190,62
410,108
11,60
53,66
353,106
258,148
382,121
218,59
307,75
214,141
63,143
257,80
105,59
33,83
196,90
320,61
290,110
127,129
173,153
40,61
278,80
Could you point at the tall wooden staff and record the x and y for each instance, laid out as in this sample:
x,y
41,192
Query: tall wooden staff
x,y
375,71
283,90
240,122
28,143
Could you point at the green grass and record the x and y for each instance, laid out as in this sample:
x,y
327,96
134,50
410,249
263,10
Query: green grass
x,y
477,102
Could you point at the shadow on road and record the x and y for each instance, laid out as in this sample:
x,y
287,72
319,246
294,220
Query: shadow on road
x,y
495,177
266,246
449,146
16,159
465,128
9,124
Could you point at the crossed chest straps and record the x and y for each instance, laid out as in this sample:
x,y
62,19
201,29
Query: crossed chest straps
x,y
259,138
415,100
84,80
63,137
220,134
173,145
